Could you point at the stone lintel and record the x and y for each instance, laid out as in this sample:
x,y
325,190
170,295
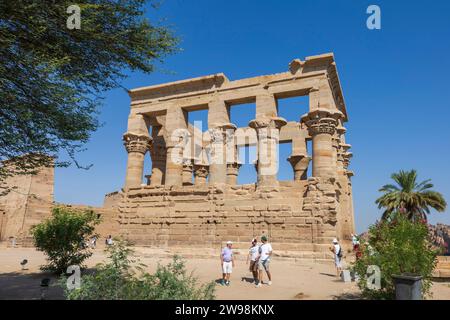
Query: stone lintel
x,y
196,88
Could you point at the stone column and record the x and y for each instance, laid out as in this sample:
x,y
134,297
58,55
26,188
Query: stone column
x,y
187,172
174,165
232,173
335,141
267,132
175,133
340,151
159,157
218,164
200,174
351,224
232,156
299,164
201,168
321,127
137,146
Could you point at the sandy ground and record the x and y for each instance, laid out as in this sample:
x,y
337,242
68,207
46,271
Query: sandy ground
x,y
291,280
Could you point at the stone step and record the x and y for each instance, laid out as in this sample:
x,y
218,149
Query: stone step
x,y
443,258
441,273
442,269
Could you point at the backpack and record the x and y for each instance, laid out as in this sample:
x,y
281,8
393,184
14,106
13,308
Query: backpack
x,y
339,254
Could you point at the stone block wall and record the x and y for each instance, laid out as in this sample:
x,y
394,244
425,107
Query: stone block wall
x,y
27,203
208,216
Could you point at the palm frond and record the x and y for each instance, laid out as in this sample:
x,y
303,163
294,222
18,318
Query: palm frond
x,y
415,198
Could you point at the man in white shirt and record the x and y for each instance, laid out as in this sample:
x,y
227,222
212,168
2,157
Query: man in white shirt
x,y
265,252
252,257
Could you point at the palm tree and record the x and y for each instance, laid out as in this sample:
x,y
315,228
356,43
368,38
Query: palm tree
x,y
409,197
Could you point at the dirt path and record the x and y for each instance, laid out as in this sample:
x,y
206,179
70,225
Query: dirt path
x,y
290,280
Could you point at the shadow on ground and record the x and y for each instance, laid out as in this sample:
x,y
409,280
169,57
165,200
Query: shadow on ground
x,y
27,286
328,274
248,279
347,296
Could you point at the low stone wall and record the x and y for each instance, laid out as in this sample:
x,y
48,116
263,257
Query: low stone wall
x,y
207,216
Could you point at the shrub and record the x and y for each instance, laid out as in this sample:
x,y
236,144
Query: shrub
x,y
396,247
123,278
63,237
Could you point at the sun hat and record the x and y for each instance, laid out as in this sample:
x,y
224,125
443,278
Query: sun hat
x,y
335,240
229,242
263,238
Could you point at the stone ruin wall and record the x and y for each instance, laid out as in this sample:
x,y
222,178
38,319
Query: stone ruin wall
x,y
26,204
300,216
29,202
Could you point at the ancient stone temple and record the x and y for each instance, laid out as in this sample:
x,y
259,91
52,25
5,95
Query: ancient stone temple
x,y
191,196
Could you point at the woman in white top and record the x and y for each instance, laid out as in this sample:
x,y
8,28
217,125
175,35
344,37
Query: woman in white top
x,y
337,250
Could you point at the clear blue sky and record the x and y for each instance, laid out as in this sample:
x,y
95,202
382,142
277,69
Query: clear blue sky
x,y
395,83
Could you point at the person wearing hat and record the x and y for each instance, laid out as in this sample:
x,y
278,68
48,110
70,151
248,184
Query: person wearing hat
x,y
337,251
227,263
253,255
265,251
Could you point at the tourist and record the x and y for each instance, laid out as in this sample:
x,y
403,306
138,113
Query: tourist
x,y
227,263
253,255
94,242
265,252
356,246
337,250
354,239
109,241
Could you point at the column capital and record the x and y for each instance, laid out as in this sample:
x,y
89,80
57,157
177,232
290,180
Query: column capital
x,y
347,156
299,163
336,143
188,161
341,129
137,142
295,158
272,123
176,138
201,170
345,146
233,172
233,167
221,132
321,121
187,171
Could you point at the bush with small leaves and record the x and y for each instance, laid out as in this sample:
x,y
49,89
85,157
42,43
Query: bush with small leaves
x,y
63,237
396,247
124,278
